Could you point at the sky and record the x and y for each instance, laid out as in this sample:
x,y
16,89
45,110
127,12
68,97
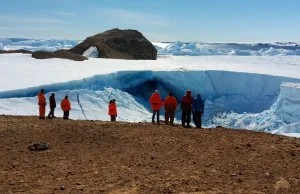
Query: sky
x,y
158,20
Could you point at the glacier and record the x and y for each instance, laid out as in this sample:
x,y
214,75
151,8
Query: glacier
x,y
89,101
244,92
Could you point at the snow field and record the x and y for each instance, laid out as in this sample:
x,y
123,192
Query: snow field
x,y
22,71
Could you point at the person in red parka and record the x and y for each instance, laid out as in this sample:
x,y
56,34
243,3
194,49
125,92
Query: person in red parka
x,y
156,104
42,104
170,105
66,107
186,107
112,110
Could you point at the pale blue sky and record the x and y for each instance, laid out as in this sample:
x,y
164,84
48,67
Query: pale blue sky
x,y
158,20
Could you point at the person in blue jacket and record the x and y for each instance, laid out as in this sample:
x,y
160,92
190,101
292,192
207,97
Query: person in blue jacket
x,y
198,110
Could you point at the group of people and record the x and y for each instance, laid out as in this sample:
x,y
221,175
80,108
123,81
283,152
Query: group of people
x,y
65,105
188,105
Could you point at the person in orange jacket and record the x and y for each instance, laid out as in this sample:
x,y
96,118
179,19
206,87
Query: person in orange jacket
x,y
112,110
170,104
156,104
42,104
66,107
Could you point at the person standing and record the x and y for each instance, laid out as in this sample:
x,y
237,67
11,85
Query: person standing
x,y
156,104
52,106
112,110
42,104
186,107
198,110
66,107
170,105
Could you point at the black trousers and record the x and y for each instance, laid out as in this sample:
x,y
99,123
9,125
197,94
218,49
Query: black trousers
x,y
51,113
113,118
155,112
197,117
186,117
66,114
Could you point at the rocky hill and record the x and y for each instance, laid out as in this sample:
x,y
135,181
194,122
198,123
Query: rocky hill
x,y
105,157
111,44
119,44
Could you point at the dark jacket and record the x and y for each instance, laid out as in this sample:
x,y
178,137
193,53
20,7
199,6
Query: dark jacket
x,y
52,102
198,104
187,101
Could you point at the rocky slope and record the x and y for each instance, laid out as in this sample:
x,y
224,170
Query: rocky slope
x,y
15,51
104,157
119,44
63,54
112,44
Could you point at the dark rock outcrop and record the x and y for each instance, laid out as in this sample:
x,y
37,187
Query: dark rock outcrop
x,y
63,54
15,51
119,44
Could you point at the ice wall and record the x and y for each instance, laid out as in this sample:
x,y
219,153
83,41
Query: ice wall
x,y
288,105
236,100
283,117
86,104
238,92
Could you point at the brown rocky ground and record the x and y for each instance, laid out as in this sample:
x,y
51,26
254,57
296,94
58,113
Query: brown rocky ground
x,y
105,157
15,51
62,54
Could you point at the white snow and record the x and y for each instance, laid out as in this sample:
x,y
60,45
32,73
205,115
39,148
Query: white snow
x,y
252,92
92,52
161,44
22,71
